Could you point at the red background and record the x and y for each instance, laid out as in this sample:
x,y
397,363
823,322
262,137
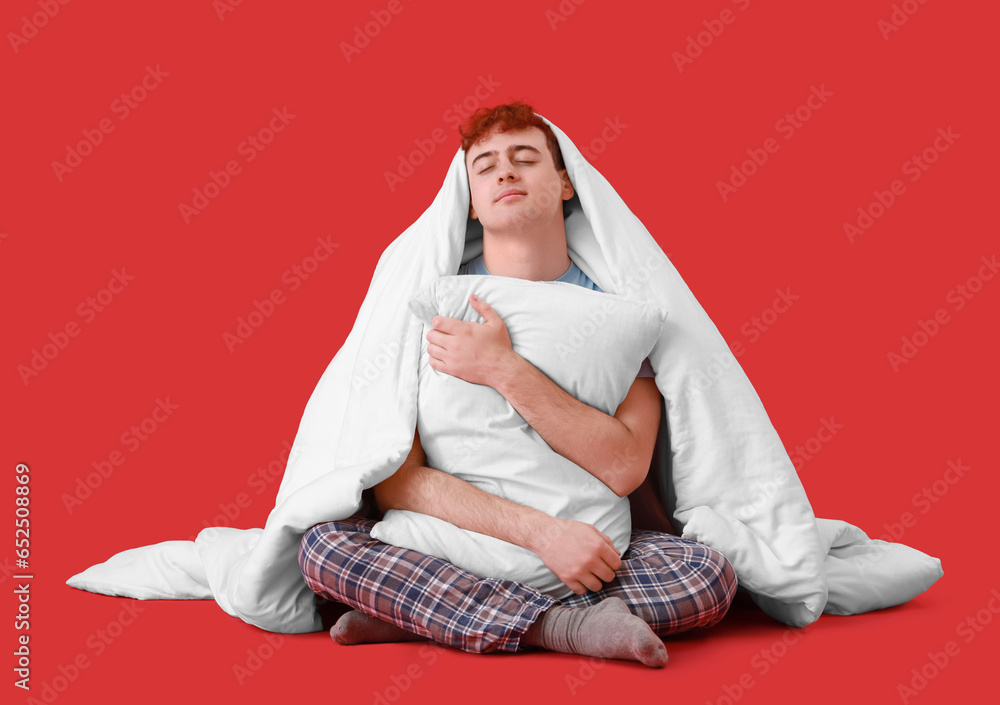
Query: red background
x,y
324,175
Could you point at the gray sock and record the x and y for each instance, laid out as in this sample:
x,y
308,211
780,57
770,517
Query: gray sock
x,y
606,630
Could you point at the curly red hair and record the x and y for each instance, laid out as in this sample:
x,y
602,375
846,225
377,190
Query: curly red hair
x,y
508,117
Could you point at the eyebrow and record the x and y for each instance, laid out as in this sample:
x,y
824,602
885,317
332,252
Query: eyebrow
x,y
510,150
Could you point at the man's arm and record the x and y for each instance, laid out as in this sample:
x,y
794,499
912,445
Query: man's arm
x,y
617,450
579,554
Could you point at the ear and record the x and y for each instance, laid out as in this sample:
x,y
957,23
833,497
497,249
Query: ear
x,y
472,209
567,190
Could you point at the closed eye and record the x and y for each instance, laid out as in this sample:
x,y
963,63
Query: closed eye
x,y
483,171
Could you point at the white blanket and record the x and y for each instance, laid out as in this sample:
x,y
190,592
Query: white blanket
x,y
729,481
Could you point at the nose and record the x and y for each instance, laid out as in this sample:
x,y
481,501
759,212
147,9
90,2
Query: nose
x,y
506,171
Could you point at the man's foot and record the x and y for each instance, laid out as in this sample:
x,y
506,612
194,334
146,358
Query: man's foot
x,y
359,628
607,630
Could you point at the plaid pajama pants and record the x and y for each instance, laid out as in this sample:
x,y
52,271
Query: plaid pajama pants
x,y
673,584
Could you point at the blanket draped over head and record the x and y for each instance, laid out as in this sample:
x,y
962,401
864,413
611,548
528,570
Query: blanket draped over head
x,y
725,476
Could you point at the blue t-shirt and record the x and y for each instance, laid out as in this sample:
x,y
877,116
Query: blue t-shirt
x,y
573,275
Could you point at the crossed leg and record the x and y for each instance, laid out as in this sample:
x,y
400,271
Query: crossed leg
x,y
665,585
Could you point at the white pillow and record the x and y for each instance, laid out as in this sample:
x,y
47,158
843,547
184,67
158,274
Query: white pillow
x,y
866,574
862,575
170,570
592,345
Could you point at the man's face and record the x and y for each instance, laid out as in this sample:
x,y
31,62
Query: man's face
x,y
513,181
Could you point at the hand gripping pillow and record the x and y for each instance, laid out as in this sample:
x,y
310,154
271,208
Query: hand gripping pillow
x,y
591,344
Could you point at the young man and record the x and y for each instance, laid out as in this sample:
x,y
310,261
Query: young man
x,y
622,604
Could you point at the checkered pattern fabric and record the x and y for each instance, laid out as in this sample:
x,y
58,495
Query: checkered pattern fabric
x,y
671,583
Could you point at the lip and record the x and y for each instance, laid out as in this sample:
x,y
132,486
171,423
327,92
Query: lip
x,y
512,192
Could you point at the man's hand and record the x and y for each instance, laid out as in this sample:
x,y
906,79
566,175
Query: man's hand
x,y
579,554
479,353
